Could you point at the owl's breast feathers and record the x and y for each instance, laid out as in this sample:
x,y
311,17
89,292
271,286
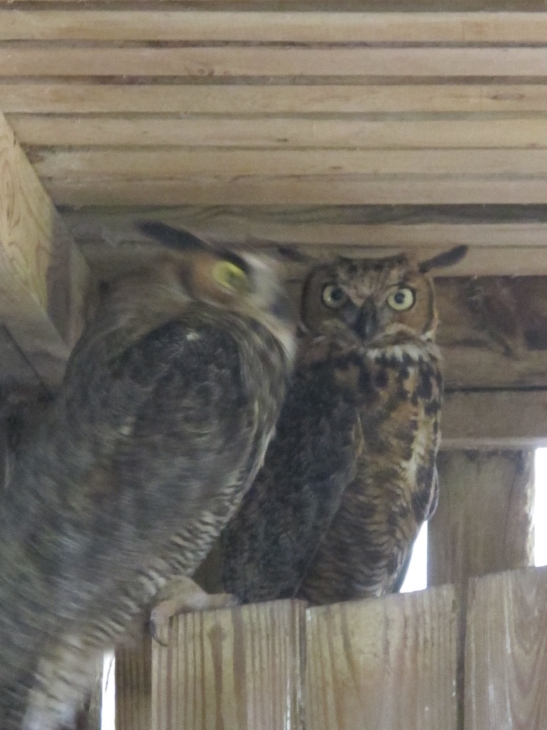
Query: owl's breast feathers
x,y
150,437
398,387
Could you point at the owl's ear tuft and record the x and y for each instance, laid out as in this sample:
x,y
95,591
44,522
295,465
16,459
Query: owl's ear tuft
x,y
172,237
447,258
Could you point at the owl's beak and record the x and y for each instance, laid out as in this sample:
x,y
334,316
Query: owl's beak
x,y
363,320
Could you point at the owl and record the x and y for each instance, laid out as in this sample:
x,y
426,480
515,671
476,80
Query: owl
x,y
351,474
168,403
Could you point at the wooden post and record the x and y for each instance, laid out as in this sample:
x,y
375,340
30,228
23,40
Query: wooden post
x,y
506,651
483,524
43,276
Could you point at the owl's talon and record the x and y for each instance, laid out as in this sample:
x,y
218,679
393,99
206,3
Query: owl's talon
x,y
153,629
183,595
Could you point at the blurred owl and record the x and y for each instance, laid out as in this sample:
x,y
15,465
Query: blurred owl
x,y
168,403
351,474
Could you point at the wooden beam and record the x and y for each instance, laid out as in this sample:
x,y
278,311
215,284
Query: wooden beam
x,y
282,133
494,420
388,663
351,189
43,276
75,97
286,27
330,226
506,651
432,62
61,166
333,5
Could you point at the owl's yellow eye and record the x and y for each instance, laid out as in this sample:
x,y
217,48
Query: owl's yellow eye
x,y
231,277
402,299
333,296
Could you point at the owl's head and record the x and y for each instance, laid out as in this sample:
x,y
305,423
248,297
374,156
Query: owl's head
x,y
372,297
239,281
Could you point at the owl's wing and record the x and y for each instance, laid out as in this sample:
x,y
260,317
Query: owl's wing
x,y
135,444
266,549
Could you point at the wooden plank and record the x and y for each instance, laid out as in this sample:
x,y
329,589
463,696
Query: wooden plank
x,y
497,419
295,27
333,5
404,226
157,131
87,98
506,651
388,663
435,62
300,190
239,668
483,523
43,276
177,164
528,261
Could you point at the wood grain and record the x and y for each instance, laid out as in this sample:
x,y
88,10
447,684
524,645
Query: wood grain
x,y
385,664
301,190
43,276
230,669
77,97
403,226
134,685
177,164
483,523
506,651
270,61
494,419
280,133
296,27
350,5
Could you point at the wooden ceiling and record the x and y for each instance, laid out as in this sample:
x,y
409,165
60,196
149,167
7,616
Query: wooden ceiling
x,y
306,122
361,126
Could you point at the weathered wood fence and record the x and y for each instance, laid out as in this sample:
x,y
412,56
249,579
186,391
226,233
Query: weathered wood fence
x,y
384,664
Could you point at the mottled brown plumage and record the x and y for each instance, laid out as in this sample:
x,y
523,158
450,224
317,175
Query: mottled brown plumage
x,y
168,403
350,476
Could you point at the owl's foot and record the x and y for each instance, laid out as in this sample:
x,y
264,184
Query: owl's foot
x,y
183,595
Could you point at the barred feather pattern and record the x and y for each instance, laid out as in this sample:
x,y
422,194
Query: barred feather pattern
x,y
160,427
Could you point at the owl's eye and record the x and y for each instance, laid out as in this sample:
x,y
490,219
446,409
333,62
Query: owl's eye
x,y
231,277
402,299
333,296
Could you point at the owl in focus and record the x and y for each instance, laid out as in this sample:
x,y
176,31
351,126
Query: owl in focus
x,y
168,403
350,476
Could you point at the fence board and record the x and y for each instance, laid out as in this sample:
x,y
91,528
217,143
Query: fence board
x,y
237,669
506,652
387,664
